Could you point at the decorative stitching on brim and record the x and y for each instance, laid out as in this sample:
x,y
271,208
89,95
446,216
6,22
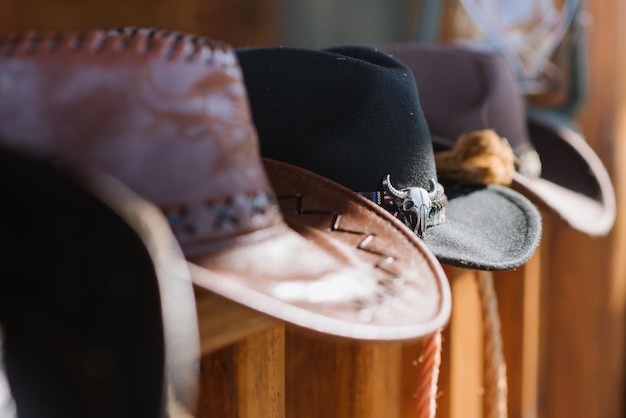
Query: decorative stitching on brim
x,y
354,198
394,280
179,46
393,229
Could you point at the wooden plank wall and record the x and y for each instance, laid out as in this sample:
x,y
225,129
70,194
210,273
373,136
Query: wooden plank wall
x,y
562,314
585,278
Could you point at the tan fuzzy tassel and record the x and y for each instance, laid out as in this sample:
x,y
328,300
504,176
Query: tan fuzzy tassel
x,y
478,157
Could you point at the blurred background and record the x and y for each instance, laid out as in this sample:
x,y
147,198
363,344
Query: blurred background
x,y
310,23
583,279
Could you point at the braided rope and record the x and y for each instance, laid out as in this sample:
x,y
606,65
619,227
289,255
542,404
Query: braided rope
x,y
429,375
495,381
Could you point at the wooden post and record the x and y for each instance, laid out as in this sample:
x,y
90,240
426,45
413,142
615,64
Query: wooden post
x,y
519,303
462,374
461,378
340,378
243,362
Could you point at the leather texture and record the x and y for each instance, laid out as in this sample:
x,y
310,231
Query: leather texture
x,y
167,114
366,275
162,111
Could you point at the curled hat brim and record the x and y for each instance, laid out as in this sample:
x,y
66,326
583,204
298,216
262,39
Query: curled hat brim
x,y
574,182
178,308
95,278
343,266
486,228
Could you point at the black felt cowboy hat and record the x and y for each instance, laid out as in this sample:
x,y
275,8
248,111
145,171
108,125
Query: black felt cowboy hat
x,y
463,89
97,307
167,114
352,114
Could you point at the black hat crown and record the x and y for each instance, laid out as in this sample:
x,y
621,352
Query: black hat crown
x,y
353,114
362,122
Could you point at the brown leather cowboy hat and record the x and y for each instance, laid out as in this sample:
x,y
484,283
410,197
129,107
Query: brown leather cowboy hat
x,y
463,89
96,301
167,114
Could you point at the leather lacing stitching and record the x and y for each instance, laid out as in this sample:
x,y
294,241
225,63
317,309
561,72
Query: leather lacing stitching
x,y
388,284
169,45
431,345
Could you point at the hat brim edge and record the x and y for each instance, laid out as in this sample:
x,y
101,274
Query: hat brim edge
x,y
566,203
460,217
231,288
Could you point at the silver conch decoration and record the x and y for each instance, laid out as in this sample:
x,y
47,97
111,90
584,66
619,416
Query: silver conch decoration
x,y
528,163
414,204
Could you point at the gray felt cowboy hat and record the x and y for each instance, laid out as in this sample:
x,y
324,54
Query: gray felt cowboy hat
x,y
97,308
352,114
167,114
463,89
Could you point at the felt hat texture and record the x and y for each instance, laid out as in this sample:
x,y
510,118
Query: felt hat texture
x,y
463,89
97,308
167,114
352,114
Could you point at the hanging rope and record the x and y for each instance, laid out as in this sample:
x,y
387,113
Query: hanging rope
x,y
483,157
495,382
430,360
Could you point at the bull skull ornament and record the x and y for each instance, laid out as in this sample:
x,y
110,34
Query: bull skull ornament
x,y
414,204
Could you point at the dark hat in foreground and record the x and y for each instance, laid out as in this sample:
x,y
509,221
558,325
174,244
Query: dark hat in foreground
x,y
463,89
167,114
352,114
96,302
